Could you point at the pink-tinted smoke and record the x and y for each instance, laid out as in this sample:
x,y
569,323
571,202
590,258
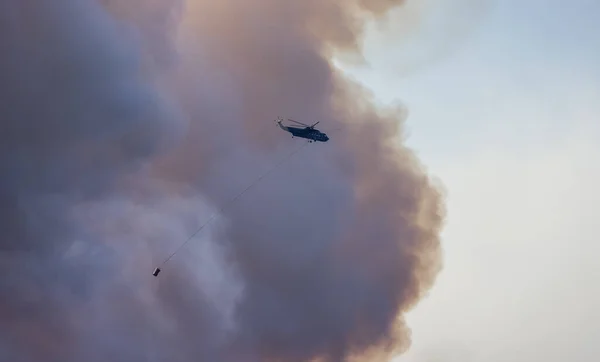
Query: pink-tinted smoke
x,y
124,122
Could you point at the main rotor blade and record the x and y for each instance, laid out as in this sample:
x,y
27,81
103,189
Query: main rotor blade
x,y
315,124
291,120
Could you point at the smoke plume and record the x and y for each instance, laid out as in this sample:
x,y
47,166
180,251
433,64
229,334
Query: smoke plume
x,y
125,124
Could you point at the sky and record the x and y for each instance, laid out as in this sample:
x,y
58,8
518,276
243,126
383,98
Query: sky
x,y
503,101
125,124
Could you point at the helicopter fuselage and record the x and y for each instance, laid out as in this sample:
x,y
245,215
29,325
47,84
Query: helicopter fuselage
x,y
307,132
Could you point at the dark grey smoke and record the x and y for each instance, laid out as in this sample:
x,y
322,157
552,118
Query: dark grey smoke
x,y
126,123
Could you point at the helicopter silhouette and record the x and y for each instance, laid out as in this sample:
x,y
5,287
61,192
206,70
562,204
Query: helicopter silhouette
x,y
308,132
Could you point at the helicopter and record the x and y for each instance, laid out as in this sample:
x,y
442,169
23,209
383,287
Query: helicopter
x,y
308,132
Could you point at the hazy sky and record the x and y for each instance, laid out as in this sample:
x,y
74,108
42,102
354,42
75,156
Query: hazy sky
x,y
503,98
504,108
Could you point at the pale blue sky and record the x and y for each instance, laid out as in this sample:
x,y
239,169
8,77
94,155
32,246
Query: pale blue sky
x,y
515,77
505,110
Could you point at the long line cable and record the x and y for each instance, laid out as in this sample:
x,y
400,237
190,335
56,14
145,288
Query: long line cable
x,y
231,202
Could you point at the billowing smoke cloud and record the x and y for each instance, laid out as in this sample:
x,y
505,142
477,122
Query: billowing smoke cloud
x,y
126,123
